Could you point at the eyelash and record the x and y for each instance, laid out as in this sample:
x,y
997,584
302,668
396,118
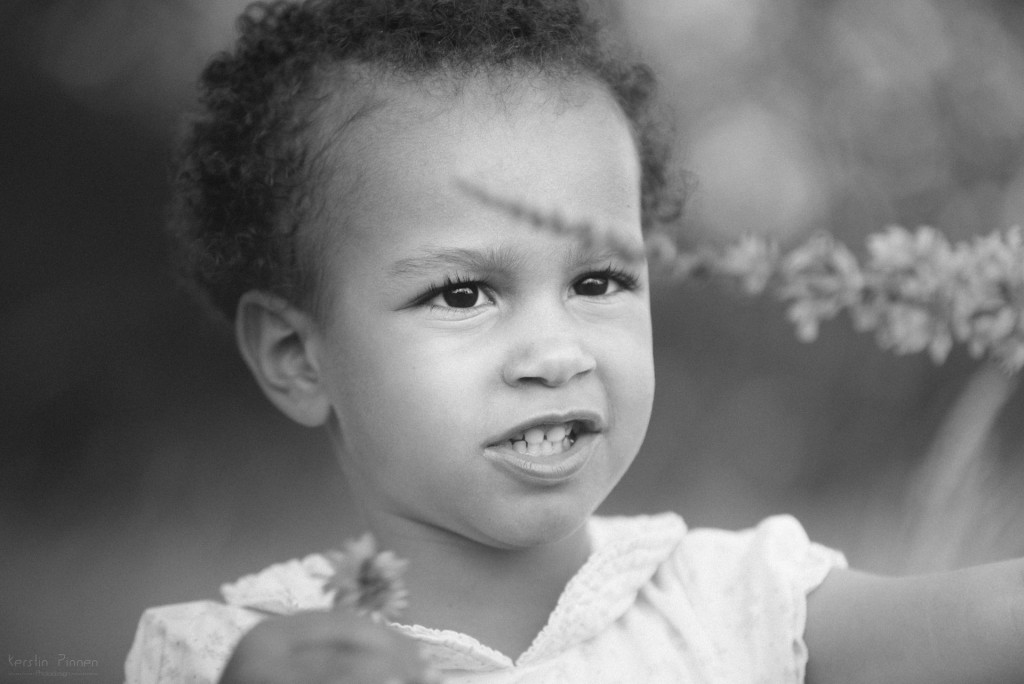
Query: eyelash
x,y
625,280
449,284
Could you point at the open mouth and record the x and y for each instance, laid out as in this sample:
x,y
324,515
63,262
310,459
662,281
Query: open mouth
x,y
546,440
550,450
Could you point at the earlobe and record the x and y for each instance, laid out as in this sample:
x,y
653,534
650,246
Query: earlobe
x,y
277,342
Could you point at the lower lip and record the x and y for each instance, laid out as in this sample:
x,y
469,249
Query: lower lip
x,y
545,469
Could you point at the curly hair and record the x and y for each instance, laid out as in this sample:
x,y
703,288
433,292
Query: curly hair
x,y
248,166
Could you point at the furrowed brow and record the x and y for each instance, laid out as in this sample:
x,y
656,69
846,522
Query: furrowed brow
x,y
430,262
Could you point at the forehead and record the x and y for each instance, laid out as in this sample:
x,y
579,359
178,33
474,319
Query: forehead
x,y
408,150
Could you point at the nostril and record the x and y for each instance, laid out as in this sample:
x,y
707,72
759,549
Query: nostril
x,y
549,362
553,373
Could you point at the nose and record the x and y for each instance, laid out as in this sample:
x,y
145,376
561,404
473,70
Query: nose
x,y
548,356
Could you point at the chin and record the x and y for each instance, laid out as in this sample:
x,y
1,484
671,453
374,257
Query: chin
x,y
539,528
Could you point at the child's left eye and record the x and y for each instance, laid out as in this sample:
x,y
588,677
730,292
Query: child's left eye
x,y
604,282
592,286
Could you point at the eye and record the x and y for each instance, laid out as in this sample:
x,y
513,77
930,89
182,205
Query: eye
x,y
457,295
592,286
600,283
461,295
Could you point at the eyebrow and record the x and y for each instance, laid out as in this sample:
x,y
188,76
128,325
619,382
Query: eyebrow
x,y
588,254
430,262
489,260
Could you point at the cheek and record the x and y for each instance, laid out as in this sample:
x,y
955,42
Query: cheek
x,y
398,415
412,383
629,370
636,397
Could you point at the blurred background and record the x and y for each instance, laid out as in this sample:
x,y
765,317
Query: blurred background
x,y
140,466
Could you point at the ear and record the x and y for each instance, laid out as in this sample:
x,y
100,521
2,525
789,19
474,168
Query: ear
x,y
278,344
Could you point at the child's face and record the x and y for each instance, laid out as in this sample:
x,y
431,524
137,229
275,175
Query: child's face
x,y
459,336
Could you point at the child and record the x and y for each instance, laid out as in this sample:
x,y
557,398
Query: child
x,y
486,383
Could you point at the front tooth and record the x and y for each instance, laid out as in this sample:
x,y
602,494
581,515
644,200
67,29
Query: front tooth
x,y
556,433
534,436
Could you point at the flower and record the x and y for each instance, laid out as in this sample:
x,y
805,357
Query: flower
x,y
916,291
819,279
750,261
910,282
988,306
367,581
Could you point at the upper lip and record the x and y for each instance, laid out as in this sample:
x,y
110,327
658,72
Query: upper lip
x,y
592,421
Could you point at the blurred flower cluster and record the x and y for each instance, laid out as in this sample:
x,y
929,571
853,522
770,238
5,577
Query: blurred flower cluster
x,y
367,581
915,290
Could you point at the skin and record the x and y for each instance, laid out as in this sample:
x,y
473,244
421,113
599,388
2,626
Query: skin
x,y
420,388
962,627
419,393
416,380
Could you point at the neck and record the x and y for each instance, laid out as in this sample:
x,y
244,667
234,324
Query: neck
x,y
501,597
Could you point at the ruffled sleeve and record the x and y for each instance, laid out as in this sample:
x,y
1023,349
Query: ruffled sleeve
x,y
750,589
186,642
192,642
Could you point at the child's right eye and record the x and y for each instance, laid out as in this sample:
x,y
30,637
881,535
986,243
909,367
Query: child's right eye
x,y
457,294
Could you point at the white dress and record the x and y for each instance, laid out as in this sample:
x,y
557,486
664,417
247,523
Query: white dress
x,y
653,603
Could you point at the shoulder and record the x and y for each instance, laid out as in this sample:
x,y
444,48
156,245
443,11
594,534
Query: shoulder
x,y
186,642
284,588
636,530
768,569
746,592
193,641
778,545
776,549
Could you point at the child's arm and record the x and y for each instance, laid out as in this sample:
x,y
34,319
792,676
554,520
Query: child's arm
x,y
960,627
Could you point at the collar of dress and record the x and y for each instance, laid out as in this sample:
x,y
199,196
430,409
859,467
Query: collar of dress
x,y
626,553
